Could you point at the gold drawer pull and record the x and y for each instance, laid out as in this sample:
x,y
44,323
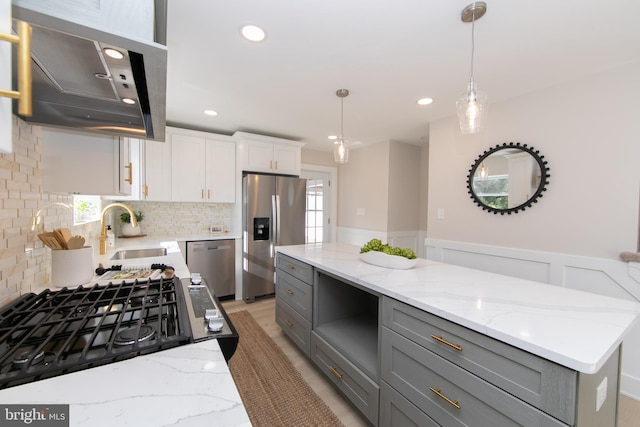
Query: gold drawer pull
x,y
288,322
290,292
438,392
290,267
443,341
23,95
335,372
130,179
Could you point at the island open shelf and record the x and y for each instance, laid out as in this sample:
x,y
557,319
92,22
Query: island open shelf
x,y
347,316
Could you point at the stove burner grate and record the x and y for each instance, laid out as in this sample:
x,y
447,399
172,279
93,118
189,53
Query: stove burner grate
x,y
67,330
133,334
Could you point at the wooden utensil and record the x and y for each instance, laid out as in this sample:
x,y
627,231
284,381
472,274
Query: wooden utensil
x,y
66,233
57,234
75,242
49,240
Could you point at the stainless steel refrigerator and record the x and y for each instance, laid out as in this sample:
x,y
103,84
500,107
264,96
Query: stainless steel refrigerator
x,y
273,214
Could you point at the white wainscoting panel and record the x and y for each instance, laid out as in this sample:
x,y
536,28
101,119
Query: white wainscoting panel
x,y
609,277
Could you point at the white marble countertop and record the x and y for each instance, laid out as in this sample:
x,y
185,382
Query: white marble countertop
x,y
189,385
575,329
183,386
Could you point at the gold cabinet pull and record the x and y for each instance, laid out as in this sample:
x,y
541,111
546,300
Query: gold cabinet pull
x,y
445,342
335,372
288,322
146,191
290,267
208,194
270,164
202,193
289,291
130,167
23,95
276,165
438,393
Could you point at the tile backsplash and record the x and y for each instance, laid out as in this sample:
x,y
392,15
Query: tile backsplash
x,y
177,219
26,210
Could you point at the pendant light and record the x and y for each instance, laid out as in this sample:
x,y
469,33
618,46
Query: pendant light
x,y
484,171
472,105
341,145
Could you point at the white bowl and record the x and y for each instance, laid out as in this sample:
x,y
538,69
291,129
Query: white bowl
x,y
388,261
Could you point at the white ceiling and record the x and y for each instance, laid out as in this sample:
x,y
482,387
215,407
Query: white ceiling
x,y
388,53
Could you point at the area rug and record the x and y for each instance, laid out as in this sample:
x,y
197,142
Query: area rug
x,y
272,390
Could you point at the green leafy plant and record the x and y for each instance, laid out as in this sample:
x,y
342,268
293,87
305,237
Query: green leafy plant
x,y
85,207
126,218
377,245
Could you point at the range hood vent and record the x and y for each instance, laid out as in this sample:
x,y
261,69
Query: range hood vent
x,y
76,85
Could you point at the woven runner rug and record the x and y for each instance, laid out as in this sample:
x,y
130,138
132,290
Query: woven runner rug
x,y
272,390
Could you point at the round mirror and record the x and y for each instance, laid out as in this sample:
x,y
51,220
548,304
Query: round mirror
x,y
508,178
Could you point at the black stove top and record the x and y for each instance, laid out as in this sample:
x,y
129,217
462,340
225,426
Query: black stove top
x,y
57,332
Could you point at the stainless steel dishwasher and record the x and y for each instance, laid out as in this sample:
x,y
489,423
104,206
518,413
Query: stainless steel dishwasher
x,y
215,260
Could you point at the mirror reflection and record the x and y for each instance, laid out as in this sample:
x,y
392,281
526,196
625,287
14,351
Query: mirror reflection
x,y
508,178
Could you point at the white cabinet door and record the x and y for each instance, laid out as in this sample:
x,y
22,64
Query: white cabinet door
x,y
220,171
156,171
259,157
187,168
259,153
188,163
286,159
81,163
5,78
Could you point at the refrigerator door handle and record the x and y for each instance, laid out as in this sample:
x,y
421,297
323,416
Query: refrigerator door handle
x,y
277,220
274,225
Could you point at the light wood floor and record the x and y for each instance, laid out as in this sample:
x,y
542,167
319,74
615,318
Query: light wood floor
x,y
264,313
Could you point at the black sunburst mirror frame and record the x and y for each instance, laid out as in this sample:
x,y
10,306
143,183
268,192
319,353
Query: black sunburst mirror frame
x,y
542,186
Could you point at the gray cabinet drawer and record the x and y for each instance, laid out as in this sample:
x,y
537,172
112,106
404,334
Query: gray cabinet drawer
x,y
539,382
449,394
294,292
361,391
294,326
296,268
396,411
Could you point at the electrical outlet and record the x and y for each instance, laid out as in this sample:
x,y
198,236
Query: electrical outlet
x,y
360,211
601,394
440,213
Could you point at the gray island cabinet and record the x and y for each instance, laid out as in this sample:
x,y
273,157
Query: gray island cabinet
x,y
403,362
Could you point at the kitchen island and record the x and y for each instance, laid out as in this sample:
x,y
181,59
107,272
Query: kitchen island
x,y
442,344
188,385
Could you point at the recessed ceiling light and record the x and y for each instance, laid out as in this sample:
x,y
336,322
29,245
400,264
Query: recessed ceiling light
x,y
210,113
425,101
332,137
128,101
253,33
113,53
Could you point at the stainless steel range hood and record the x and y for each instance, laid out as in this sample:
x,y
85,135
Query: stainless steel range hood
x,y
77,85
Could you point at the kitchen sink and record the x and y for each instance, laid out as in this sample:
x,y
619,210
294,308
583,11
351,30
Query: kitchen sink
x,y
139,253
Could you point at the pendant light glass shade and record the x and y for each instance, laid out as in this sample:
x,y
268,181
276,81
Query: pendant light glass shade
x,y
341,145
341,150
472,106
483,172
472,109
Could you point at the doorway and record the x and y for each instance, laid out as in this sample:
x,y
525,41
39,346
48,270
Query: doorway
x,y
321,203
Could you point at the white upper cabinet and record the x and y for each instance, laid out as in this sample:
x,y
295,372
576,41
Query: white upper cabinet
x,y
202,166
258,153
155,171
83,163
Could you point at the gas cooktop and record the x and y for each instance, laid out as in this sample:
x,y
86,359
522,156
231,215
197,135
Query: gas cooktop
x,y
67,330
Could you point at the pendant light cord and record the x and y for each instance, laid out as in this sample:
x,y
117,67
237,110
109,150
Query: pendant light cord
x,y
473,42
341,118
